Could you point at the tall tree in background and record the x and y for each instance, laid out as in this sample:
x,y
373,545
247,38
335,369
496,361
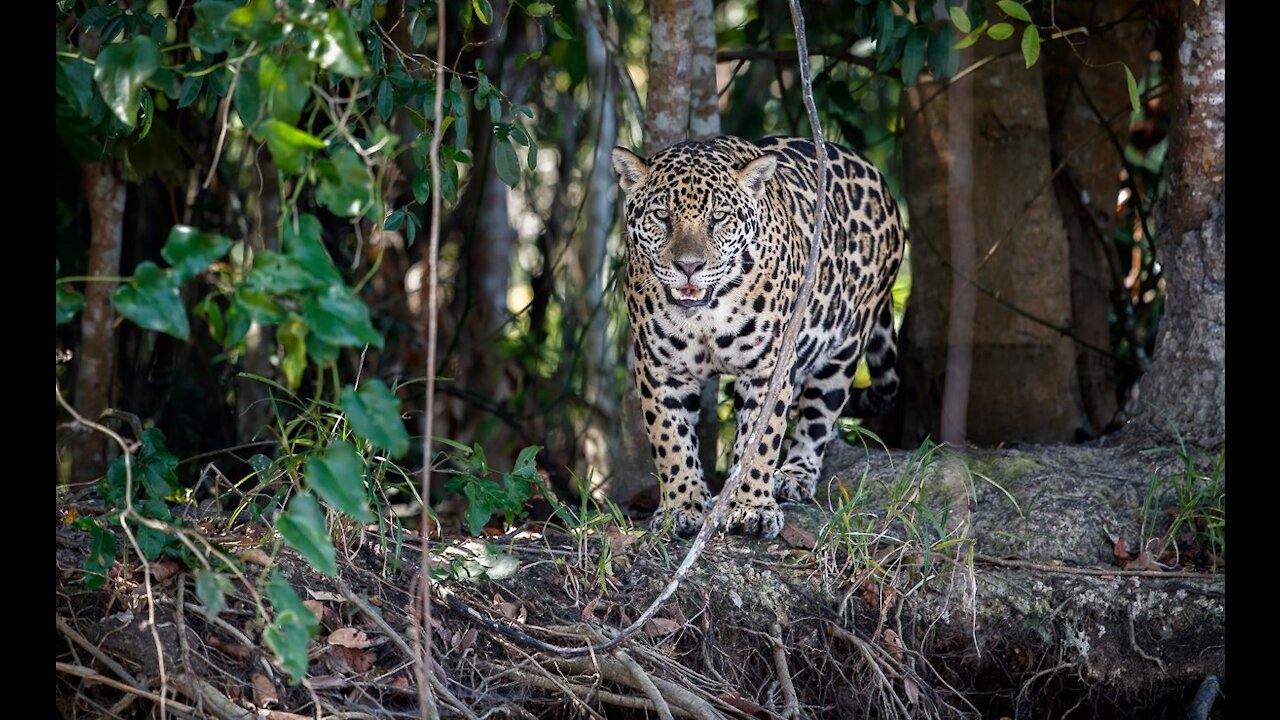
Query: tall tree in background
x,y
1185,392
681,101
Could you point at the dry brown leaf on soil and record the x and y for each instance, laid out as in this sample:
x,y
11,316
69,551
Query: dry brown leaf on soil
x,y
400,681
1121,552
464,641
911,689
588,610
227,647
509,610
264,693
797,536
348,661
282,715
350,638
325,596
327,682
657,627
1144,561
748,706
618,539
164,570
894,644
255,556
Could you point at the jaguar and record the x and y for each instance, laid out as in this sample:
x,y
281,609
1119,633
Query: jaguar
x,y
717,239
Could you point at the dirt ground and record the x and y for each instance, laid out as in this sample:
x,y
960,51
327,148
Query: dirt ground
x,y
1034,582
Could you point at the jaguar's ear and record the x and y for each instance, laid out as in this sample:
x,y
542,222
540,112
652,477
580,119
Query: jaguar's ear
x,y
630,168
755,175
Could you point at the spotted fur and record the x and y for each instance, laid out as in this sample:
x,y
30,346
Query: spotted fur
x,y
718,235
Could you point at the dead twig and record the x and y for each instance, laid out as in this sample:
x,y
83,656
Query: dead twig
x,y
577,692
93,650
94,676
396,638
791,708
1097,572
645,683
1133,641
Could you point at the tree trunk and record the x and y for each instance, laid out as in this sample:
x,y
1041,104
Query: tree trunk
x,y
95,370
1023,368
953,423
253,413
1184,395
600,430
666,122
1088,108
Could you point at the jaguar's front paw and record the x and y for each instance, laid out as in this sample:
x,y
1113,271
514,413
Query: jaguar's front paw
x,y
793,485
764,520
684,520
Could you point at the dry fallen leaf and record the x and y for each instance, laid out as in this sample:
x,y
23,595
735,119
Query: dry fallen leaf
x,y
912,690
509,610
324,595
746,705
797,536
400,681
256,556
233,649
282,715
264,693
350,638
464,641
588,610
316,607
894,644
658,627
164,569
348,661
327,682
1121,552
1144,561
619,540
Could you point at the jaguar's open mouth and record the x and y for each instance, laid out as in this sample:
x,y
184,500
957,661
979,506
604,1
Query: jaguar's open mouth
x,y
689,295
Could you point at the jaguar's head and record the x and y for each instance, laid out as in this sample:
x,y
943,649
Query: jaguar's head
x,y
692,217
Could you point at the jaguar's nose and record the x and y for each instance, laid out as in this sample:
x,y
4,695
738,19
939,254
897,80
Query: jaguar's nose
x,y
691,266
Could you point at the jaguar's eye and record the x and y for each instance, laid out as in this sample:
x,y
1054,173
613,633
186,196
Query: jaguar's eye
x,y
718,217
662,214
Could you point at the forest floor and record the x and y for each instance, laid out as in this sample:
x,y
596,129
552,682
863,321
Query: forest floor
x,y
1037,582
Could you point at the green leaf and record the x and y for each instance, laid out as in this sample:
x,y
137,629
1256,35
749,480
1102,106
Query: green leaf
x,y
190,91
289,146
190,251
285,85
971,38
913,56
211,588
74,81
374,413
385,102
1134,100
209,33
1031,44
319,351
337,475
345,187
304,245
1000,31
491,564
480,505
338,48
1015,11
538,9
561,30
484,11
120,72
290,633
255,20
339,318
303,527
66,303
152,301
102,552
508,163
151,542
156,466
960,19
254,305
527,464
422,187
293,341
